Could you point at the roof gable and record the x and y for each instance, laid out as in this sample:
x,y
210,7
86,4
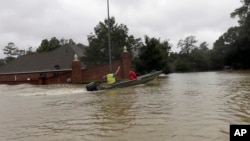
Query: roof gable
x,y
60,58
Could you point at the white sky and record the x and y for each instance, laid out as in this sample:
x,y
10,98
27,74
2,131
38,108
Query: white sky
x,y
28,22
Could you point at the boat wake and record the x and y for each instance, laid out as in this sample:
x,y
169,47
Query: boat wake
x,y
33,90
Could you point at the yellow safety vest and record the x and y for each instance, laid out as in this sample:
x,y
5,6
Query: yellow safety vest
x,y
110,78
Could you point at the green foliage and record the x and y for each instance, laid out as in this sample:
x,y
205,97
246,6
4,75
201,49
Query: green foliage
x,y
232,48
204,46
242,12
47,45
200,60
53,43
187,45
217,60
191,56
152,56
222,49
98,50
181,66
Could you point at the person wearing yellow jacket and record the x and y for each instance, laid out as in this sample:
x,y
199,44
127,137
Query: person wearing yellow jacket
x,y
110,78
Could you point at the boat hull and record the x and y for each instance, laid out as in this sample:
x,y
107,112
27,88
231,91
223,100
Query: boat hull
x,y
125,83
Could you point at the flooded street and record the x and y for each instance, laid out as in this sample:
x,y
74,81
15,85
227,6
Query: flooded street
x,y
176,107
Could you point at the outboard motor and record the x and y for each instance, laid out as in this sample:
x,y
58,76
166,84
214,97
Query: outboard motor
x,y
92,86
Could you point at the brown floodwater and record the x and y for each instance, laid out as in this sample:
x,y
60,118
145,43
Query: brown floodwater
x,y
175,107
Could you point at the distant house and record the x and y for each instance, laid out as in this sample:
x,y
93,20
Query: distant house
x,y
56,67
58,59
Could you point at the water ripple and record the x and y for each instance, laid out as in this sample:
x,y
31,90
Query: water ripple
x,y
189,106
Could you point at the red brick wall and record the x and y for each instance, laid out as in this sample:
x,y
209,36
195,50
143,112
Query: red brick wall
x,y
126,62
19,78
96,73
76,75
61,78
76,72
35,78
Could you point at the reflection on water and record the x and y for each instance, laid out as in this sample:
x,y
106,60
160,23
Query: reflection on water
x,y
189,106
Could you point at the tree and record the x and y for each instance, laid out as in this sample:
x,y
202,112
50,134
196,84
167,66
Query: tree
x,y
217,54
47,46
67,42
232,48
242,40
191,57
2,62
10,50
20,52
199,60
152,56
204,46
201,56
187,45
242,12
44,46
29,51
181,66
98,50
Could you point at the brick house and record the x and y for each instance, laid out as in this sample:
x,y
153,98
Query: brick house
x,y
58,67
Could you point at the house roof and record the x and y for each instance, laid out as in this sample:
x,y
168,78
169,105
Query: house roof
x,y
60,58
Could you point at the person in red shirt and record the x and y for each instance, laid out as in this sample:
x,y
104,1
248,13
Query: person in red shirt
x,y
132,75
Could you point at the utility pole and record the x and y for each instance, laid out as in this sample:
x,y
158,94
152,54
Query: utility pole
x,y
109,39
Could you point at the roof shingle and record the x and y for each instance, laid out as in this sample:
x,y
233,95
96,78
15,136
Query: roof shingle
x,y
46,61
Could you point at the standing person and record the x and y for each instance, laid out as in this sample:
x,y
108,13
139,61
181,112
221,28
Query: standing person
x,y
110,78
132,75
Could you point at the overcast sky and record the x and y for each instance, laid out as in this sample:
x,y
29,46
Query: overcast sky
x,y
28,22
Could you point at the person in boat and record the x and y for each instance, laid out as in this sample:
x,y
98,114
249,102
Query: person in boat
x,y
110,78
132,74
